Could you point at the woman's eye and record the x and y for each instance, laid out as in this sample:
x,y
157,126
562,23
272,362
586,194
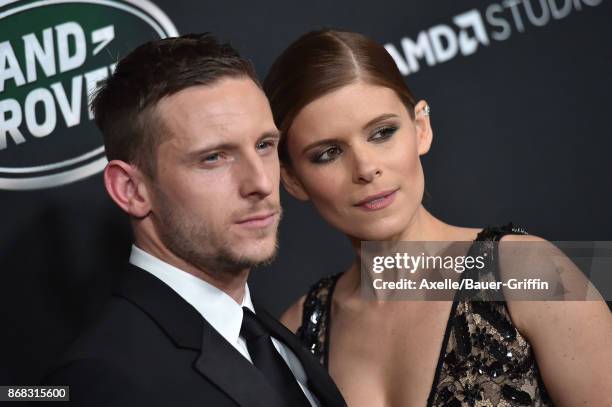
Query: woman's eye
x,y
327,155
383,133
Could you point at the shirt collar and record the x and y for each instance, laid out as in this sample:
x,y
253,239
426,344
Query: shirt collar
x,y
218,309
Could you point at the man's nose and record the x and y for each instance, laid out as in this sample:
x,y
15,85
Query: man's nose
x,y
256,178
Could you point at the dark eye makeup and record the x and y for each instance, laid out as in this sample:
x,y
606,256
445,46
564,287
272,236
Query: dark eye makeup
x,y
330,152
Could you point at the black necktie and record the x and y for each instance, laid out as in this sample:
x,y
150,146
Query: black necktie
x,y
269,361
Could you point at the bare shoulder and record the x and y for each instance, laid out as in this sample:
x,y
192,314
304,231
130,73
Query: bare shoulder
x,y
523,238
544,315
533,258
572,339
292,317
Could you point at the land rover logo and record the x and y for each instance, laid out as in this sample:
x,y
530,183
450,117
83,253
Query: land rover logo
x,y
53,53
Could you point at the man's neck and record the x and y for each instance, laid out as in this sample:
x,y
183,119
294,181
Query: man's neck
x,y
232,283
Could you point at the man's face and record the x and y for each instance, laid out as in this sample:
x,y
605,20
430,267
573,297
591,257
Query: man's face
x,y
215,197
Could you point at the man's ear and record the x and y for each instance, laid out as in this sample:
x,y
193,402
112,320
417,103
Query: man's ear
x,y
125,185
424,133
292,184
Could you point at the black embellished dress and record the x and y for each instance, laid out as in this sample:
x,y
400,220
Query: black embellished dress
x,y
484,360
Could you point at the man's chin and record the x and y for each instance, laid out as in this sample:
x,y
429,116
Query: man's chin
x,y
257,254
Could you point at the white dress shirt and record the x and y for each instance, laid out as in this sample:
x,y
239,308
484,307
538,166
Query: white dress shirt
x,y
218,308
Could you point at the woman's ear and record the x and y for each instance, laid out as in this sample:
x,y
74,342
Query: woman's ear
x,y
424,133
292,184
127,187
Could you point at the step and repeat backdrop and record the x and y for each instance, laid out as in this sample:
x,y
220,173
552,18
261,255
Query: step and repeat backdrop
x,y
520,92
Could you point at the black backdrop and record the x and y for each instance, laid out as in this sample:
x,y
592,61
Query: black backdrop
x,y
521,133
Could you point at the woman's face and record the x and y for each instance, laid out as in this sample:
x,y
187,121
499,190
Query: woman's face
x,y
355,153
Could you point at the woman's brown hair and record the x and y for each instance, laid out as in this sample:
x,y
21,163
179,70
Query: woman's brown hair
x,y
320,62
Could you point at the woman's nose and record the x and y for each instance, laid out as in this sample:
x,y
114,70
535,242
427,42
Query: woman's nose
x,y
366,167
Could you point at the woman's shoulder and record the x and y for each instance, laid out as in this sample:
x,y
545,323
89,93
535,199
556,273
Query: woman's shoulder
x,y
488,233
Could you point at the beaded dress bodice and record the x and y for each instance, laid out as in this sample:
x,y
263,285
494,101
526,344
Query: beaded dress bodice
x,y
484,360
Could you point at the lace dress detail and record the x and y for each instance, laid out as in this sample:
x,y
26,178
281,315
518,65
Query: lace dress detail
x,y
484,360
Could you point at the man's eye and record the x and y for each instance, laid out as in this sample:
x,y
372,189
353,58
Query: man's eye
x,y
383,133
265,145
327,155
212,158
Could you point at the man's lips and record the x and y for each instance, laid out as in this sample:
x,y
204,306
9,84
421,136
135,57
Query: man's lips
x,y
377,201
258,220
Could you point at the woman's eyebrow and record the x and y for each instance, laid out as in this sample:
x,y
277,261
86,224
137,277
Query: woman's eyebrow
x,y
375,120
320,142
380,118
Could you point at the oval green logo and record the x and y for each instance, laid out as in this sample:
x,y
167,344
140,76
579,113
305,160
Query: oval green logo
x,y
53,54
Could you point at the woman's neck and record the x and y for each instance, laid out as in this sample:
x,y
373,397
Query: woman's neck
x,y
422,227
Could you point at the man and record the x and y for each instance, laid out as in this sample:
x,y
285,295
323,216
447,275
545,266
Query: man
x,y
191,144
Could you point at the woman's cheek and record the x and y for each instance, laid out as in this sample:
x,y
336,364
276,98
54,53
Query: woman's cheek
x,y
323,186
408,168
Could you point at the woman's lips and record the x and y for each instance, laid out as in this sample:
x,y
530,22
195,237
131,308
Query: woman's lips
x,y
378,201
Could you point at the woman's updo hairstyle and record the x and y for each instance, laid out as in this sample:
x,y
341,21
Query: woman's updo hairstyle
x,y
320,62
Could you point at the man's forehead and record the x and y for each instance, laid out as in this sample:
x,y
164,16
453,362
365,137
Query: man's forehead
x,y
223,113
218,104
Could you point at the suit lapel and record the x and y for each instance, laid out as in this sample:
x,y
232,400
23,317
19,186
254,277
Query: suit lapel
x,y
222,364
218,361
318,380
176,317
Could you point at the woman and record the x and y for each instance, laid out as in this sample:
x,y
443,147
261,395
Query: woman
x,y
352,139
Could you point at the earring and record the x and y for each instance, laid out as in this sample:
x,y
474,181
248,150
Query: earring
x,y
426,110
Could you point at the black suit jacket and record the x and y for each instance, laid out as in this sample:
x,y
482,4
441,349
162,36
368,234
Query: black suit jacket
x,y
150,347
